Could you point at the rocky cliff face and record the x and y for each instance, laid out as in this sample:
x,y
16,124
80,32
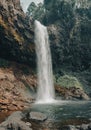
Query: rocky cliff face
x,y
69,28
70,37
69,23
15,87
16,45
16,33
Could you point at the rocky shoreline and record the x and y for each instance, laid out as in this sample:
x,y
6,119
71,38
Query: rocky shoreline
x,y
71,93
39,121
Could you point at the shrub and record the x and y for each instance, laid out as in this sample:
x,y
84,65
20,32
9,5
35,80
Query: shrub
x,y
69,81
4,63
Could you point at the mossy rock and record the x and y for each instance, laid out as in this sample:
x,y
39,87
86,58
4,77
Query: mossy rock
x,y
4,63
69,81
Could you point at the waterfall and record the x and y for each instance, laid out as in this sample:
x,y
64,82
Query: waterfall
x,y
45,92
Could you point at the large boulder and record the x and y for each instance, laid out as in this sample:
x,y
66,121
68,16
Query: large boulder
x,y
14,122
37,116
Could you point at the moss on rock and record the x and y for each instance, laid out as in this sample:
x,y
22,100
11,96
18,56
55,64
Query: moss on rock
x,y
69,81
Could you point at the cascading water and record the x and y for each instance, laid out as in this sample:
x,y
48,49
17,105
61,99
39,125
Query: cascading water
x,y
45,92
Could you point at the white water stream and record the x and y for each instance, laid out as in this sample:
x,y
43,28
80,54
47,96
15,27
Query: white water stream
x,y
45,92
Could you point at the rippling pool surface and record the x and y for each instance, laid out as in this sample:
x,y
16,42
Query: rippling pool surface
x,y
65,109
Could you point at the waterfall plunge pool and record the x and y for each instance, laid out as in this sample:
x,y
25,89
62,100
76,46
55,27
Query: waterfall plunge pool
x,y
60,114
60,110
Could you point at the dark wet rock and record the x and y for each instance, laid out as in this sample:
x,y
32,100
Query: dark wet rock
x,y
38,116
16,33
14,122
28,124
1,128
89,126
80,127
70,127
84,127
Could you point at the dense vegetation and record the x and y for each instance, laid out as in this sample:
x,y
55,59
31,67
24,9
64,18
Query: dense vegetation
x,y
71,32
69,25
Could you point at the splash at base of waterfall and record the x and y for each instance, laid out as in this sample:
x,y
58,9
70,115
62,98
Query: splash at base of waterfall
x,y
45,92
47,101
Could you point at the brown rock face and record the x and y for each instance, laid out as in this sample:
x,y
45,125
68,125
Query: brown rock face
x,y
72,93
16,33
14,88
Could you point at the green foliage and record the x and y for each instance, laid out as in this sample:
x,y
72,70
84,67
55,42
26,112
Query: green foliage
x,y
74,44
59,10
25,70
69,81
71,41
31,9
37,12
4,63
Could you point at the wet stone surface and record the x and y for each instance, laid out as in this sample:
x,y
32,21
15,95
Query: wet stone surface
x,y
51,117
19,121
37,116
